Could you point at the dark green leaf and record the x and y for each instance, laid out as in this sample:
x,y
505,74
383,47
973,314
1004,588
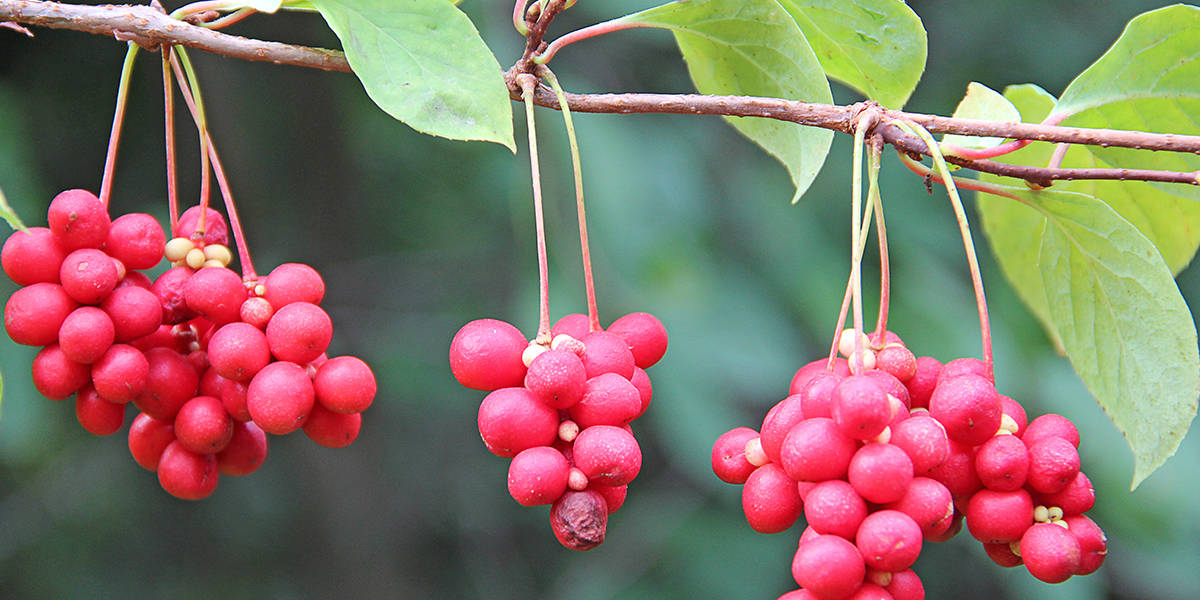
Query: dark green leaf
x,y
423,62
877,47
752,48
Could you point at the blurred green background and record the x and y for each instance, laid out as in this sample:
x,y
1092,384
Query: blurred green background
x,y
415,236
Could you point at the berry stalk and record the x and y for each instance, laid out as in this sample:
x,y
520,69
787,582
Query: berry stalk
x,y
590,31
962,183
169,128
519,17
114,138
202,123
577,168
528,82
856,238
230,18
841,321
885,275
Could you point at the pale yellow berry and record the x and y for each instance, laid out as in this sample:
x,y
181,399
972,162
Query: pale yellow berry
x,y
846,342
1055,513
532,351
576,479
214,263
178,248
568,430
260,290
879,578
1015,548
755,454
862,362
194,258
1041,514
1062,524
563,341
884,436
218,253
1008,424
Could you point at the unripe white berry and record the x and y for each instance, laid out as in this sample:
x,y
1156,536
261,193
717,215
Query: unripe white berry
x,y
568,430
177,248
755,454
531,352
846,342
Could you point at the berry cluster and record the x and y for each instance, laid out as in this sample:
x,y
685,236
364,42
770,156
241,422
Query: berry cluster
x,y
885,451
561,412
212,363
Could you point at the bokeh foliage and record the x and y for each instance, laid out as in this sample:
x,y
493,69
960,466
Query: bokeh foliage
x,y
416,235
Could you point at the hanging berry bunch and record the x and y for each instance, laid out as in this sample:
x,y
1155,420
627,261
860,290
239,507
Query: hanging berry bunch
x,y
211,360
882,451
561,404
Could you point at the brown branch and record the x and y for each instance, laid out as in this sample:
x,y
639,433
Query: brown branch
x,y
150,28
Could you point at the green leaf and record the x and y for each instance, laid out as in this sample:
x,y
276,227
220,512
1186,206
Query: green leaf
x,y
423,62
1149,80
8,214
752,48
982,102
877,47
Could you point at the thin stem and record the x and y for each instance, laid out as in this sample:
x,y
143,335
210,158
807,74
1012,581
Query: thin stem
x,y
198,7
114,138
580,210
962,183
856,240
230,19
582,34
543,335
985,330
982,153
885,275
842,313
202,124
169,128
235,224
1060,152
519,17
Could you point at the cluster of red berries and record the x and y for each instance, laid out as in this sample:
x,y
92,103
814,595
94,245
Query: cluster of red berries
x,y
212,363
561,412
884,452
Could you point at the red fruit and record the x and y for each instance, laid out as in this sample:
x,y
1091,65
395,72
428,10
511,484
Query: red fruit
x,y
1050,552
575,325
293,282
906,585
203,426
299,332
829,567
968,406
331,429
778,422
171,382
608,399
148,437
607,455
137,240
1002,554
135,312
729,455
233,398
135,279
238,351
816,450
929,504
880,473
215,229
924,440
614,495
1093,545
1002,463
606,352
558,378
1050,425
537,476
921,386
770,499
78,219
121,374
345,384
809,371
34,314
280,397
169,288
891,386
999,517
579,519
88,275
256,311
97,415
860,407
833,507
513,419
965,366
57,377
1077,498
217,294
641,381
1053,465
816,396
1016,412
645,336
486,355
32,256
86,334
957,472
246,451
897,361
889,540
185,474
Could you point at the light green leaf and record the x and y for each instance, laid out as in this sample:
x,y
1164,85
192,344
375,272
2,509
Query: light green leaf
x,y
423,62
9,214
752,48
982,102
1149,80
877,47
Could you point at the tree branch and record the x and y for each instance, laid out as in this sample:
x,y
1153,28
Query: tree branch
x,y
150,28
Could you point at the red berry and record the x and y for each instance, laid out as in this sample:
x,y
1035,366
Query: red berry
x,y
641,381
185,474
905,585
171,382
645,336
965,366
608,399
86,334
299,332
137,240
924,439
889,540
608,455
558,378
1077,498
809,371
816,396
135,312
880,473
833,507
513,419
579,519
88,275
486,355
929,504
32,256
238,351
1093,545
345,384
1016,412
280,397
778,422
1053,465
829,567
1002,554
1002,463
1050,425
293,282
1050,552
148,437
169,288
816,450
256,311
537,476
57,377
203,426
97,415
968,406
770,499
921,386
121,374
215,229
729,455
575,325
331,429
860,407
606,352
215,293
34,314
78,220
897,361
999,517
246,451
957,472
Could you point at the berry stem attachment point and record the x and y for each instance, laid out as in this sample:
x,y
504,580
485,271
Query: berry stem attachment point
x,y
114,138
202,124
519,17
577,167
590,31
841,321
985,331
169,128
528,83
966,184
876,202
230,18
